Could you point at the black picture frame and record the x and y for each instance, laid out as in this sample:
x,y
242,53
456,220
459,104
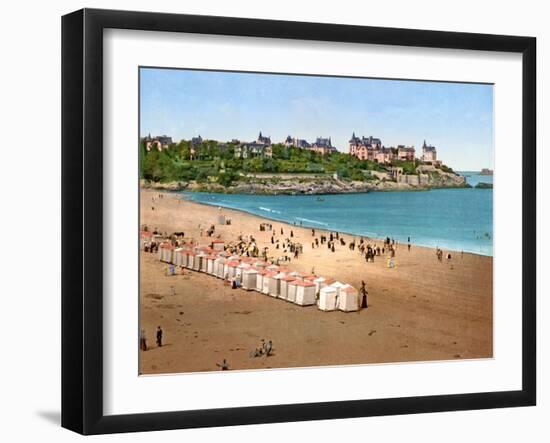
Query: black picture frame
x,y
82,219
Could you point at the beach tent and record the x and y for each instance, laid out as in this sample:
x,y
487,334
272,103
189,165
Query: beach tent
x,y
305,293
328,299
349,299
260,280
219,267
275,284
218,245
210,260
266,280
291,290
249,279
283,293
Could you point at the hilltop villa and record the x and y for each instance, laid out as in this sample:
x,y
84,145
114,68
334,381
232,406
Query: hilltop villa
x,y
321,145
371,148
259,148
160,142
429,154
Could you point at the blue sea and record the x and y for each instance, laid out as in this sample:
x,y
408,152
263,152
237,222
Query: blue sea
x,y
453,219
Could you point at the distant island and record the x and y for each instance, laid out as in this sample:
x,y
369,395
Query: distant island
x,y
486,171
294,166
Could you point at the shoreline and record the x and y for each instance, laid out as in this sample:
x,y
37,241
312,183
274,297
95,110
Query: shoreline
x,y
262,217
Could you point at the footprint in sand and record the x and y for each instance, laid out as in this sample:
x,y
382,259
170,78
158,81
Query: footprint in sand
x,y
372,332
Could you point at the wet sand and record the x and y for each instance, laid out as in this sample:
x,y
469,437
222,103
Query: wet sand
x,y
421,310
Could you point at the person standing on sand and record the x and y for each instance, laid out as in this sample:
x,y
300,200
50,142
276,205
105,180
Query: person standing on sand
x,y
159,337
364,294
224,366
142,340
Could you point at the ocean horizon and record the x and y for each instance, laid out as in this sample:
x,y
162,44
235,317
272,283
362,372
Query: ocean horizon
x,y
451,219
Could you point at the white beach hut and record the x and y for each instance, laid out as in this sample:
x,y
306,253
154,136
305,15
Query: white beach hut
x,y
190,259
266,281
338,285
275,284
283,293
260,280
349,299
305,293
198,263
166,251
219,266
179,257
328,299
319,284
239,271
210,260
291,290
230,268
249,279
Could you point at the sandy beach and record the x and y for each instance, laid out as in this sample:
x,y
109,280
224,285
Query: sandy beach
x,y
421,310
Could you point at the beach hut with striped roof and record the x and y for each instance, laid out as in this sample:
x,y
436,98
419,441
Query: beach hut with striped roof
x,y
283,293
348,299
305,293
328,298
249,279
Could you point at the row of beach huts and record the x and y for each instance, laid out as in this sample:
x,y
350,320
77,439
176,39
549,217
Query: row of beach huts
x,y
253,274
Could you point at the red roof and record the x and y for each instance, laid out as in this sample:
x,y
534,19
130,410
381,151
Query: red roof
x,y
146,234
232,263
270,273
289,278
218,241
304,283
348,289
166,246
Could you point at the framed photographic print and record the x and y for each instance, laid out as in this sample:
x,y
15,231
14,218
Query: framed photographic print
x,y
269,221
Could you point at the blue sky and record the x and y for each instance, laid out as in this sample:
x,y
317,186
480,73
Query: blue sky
x,y
455,117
